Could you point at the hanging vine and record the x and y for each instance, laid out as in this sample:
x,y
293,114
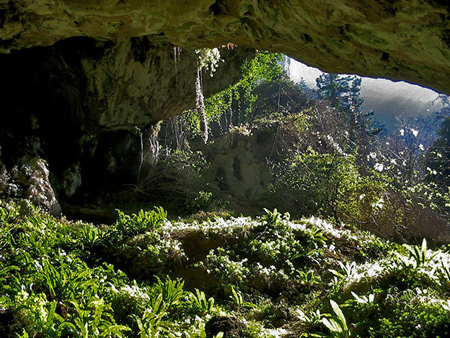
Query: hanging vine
x,y
200,106
208,59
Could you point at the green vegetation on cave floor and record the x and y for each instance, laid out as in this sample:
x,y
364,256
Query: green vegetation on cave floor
x,y
269,276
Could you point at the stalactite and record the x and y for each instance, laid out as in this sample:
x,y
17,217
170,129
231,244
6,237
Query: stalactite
x,y
141,154
176,55
149,151
153,144
200,105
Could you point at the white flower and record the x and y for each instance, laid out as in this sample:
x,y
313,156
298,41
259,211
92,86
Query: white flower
x,y
421,147
402,132
378,204
379,167
431,171
113,288
414,132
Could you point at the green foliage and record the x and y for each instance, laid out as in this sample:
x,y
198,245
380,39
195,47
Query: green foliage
x,y
40,317
150,323
342,91
365,200
313,319
202,304
209,59
337,324
278,269
236,103
349,271
62,296
418,256
7,213
137,243
90,236
203,201
141,222
316,237
237,297
413,320
93,318
364,299
438,159
327,158
170,290
314,183
228,267
271,218
437,174
444,274
145,255
66,281
308,278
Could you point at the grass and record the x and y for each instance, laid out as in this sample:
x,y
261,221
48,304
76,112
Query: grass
x,y
146,276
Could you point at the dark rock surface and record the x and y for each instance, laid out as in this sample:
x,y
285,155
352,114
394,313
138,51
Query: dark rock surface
x,y
83,105
230,326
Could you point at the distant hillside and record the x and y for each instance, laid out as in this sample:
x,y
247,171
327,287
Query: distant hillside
x,y
391,99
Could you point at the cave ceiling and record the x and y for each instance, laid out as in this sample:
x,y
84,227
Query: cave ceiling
x,y
400,40
84,82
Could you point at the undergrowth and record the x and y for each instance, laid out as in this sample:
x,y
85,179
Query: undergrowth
x,y
145,276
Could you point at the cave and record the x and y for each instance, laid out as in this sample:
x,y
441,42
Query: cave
x,y
81,80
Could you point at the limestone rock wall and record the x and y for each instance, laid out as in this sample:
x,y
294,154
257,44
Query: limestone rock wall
x,y
82,104
239,164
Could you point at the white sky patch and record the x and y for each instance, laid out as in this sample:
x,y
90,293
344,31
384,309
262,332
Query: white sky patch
x,y
376,90
402,89
299,71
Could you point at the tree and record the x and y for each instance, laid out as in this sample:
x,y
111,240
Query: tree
x,y
236,105
344,94
342,91
438,159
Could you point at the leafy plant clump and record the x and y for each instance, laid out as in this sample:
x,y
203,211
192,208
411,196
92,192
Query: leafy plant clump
x,y
267,277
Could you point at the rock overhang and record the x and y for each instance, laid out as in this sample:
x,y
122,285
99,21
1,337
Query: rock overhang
x,y
400,40
79,76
